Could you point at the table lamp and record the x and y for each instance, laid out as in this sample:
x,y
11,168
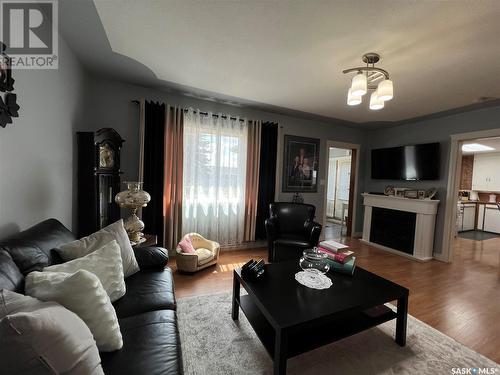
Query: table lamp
x,y
134,198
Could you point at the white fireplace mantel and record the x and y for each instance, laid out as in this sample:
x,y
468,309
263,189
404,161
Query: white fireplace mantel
x,y
425,210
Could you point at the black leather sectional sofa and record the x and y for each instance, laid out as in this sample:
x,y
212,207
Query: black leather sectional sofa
x,y
147,312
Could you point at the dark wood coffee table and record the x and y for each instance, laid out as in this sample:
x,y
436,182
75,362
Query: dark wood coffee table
x,y
291,319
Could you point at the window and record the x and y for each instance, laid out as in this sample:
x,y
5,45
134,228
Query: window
x,y
214,177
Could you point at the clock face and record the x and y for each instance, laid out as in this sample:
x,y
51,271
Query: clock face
x,y
106,156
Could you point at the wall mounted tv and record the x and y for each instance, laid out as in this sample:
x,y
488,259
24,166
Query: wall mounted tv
x,y
415,162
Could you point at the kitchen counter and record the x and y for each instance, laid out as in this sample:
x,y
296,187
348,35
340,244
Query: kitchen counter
x,y
479,215
478,202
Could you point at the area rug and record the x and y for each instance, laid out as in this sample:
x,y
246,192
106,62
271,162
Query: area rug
x,y
477,235
212,343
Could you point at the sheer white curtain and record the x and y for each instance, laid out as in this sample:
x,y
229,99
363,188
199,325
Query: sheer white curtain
x,y
215,152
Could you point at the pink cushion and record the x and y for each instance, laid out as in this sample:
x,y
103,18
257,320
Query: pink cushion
x,y
186,245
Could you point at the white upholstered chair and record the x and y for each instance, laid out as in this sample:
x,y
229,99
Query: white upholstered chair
x,y
206,253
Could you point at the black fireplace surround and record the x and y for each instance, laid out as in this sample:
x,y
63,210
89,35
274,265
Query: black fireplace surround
x,y
393,228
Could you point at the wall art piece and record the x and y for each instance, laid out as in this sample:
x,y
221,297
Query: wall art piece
x,y
300,164
8,102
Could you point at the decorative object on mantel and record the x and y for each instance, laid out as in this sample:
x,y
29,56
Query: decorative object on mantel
x,y
134,198
411,193
421,194
399,192
431,193
313,279
8,104
300,164
370,78
297,198
389,190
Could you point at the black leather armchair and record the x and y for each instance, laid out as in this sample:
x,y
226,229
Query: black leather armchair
x,y
290,230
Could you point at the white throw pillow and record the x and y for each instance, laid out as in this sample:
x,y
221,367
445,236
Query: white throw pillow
x,y
89,244
105,263
44,338
82,293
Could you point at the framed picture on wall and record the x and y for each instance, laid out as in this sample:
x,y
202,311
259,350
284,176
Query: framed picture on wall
x,y
300,164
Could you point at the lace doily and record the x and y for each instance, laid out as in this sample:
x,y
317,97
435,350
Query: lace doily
x,y
313,279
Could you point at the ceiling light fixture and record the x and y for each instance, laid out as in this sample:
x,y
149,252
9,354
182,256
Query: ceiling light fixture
x,y
353,99
370,78
375,102
476,147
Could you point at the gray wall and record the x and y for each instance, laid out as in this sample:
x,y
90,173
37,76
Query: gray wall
x,y
37,150
110,104
435,130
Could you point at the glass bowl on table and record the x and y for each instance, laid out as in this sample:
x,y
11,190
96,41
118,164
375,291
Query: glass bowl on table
x,y
314,261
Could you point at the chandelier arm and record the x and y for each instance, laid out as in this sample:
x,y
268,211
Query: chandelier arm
x,y
367,69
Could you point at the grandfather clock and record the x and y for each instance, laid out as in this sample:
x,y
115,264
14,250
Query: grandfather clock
x,y
98,179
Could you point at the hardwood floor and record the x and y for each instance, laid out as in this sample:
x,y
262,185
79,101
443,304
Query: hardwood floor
x,y
461,299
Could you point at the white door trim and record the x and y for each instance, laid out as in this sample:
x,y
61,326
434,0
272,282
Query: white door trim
x,y
348,146
453,186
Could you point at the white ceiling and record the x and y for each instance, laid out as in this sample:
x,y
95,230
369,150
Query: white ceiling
x,y
490,142
440,54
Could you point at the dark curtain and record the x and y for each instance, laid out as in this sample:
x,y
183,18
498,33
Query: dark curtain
x,y
154,148
267,176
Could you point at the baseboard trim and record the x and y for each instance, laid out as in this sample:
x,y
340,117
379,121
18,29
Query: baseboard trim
x,y
244,246
440,257
396,252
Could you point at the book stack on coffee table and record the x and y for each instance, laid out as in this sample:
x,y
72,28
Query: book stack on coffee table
x,y
340,258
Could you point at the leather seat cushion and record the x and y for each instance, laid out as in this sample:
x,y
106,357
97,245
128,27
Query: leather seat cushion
x,y
151,345
147,291
204,256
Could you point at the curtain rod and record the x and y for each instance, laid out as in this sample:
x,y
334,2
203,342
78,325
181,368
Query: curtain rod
x,y
135,101
202,113
214,115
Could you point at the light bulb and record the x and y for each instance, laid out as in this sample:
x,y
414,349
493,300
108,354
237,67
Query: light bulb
x,y
375,102
352,99
359,85
385,90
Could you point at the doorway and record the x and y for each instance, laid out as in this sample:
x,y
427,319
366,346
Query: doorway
x,y
339,191
478,208
472,221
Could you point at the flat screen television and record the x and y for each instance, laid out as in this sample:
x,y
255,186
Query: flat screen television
x,y
414,162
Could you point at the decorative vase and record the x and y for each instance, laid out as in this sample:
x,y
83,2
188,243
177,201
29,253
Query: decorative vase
x,y
134,198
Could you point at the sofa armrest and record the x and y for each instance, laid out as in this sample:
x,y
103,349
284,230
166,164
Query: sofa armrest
x,y
151,257
313,231
187,262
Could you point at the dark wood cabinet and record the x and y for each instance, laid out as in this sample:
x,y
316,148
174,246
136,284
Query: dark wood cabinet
x,y
98,179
